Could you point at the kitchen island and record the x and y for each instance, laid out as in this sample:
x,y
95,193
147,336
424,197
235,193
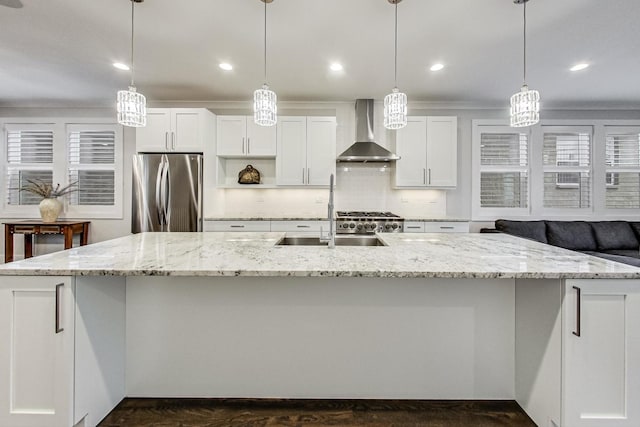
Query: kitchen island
x,y
429,316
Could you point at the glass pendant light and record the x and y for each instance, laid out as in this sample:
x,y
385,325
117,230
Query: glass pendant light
x,y
395,104
132,105
525,105
265,110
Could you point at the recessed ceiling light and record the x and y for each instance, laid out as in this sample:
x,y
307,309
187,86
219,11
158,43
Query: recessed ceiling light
x,y
436,67
226,67
336,67
121,66
579,67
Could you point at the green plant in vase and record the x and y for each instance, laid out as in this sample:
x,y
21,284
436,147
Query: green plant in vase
x,y
50,206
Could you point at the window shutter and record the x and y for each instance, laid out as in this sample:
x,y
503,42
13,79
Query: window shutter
x,y
622,177
503,170
29,157
567,169
91,157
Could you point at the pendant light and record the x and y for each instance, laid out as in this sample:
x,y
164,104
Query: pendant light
x,y
265,110
131,105
525,105
395,104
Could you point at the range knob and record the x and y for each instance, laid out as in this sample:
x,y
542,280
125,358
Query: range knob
x,y
345,225
394,226
352,225
387,227
359,226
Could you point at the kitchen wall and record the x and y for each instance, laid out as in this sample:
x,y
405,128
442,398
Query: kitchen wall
x,y
359,186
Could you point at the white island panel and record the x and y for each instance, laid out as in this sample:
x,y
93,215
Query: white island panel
x,y
320,338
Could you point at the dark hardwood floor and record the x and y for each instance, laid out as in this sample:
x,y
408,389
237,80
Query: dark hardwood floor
x,y
312,413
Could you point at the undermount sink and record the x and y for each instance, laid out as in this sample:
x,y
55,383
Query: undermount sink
x,y
340,241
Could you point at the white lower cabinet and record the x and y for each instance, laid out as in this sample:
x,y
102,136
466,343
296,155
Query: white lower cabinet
x,y
37,351
227,225
300,226
436,227
601,351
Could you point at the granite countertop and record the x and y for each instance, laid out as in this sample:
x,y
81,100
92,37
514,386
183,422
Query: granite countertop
x,y
321,219
446,255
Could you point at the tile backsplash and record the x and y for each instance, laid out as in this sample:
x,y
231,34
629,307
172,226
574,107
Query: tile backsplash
x,y
359,186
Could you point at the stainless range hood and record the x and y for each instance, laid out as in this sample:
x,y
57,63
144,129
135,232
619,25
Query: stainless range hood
x,y
365,149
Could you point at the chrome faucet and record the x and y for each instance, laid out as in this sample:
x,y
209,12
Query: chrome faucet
x,y
331,237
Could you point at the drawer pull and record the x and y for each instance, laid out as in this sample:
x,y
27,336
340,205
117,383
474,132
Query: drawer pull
x,y
237,226
446,228
303,226
578,331
413,226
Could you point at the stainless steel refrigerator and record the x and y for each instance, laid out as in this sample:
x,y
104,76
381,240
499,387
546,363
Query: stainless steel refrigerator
x,y
167,192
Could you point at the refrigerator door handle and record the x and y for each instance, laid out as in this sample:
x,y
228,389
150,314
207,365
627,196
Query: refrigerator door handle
x,y
167,195
158,189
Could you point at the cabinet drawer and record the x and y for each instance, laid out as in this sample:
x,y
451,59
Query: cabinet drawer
x,y
237,226
302,226
414,227
446,227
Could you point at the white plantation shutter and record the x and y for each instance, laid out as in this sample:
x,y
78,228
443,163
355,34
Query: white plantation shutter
x,y
28,156
622,178
504,176
92,164
566,162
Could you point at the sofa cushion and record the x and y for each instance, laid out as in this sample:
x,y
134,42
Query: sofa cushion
x,y
635,226
632,253
535,230
574,235
614,235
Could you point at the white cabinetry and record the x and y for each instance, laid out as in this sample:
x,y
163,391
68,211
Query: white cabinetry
x,y
428,148
306,226
36,355
436,227
239,136
306,150
229,225
180,130
601,350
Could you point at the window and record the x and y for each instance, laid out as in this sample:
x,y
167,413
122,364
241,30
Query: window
x,y
566,160
503,168
87,154
29,157
622,167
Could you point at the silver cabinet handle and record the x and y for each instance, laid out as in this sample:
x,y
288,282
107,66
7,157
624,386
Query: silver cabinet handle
x,y
578,331
308,173
237,226
166,141
442,227
248,145
424,176
173,140
58,292
413,226
303,175
303,226
429,173
242,145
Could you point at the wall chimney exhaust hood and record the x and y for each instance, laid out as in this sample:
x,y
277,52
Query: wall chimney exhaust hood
x,y
365,149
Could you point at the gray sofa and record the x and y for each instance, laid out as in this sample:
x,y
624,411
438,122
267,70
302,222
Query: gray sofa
x,y
613,240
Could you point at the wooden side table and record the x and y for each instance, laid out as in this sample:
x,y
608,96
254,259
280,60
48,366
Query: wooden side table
x,y
30,228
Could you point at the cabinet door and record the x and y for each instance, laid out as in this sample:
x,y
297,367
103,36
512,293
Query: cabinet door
x,y
601,353
321,149
411,146
442,151
155,137
231,136
36,355
239,226
291,168
261,140
187,128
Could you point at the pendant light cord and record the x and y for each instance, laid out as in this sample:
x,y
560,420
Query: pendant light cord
x,y
132,32
524,39
395,70
265,42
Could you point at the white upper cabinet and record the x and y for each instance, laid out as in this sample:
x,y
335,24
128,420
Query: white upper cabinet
x,y
180,130
428,148
306,150
239,136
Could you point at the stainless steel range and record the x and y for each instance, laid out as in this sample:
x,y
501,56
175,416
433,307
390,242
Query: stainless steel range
x,y
358,222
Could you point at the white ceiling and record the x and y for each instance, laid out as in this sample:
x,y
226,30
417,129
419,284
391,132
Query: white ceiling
x,y
61,51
